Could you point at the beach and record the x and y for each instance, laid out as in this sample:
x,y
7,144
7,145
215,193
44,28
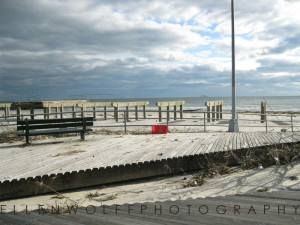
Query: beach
x,y
113,143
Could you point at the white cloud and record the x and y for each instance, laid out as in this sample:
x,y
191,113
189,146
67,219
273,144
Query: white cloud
x,y
105,43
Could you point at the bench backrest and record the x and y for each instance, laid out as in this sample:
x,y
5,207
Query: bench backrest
x,y
54,123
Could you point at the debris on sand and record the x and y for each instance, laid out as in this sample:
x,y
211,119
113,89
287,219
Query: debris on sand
x,y
293,178
265,189
260,158
69,153
100,197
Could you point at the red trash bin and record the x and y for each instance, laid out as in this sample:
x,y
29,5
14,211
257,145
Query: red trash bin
x,y
159,129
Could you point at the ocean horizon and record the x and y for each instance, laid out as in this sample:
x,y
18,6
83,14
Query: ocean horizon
x,y
244,103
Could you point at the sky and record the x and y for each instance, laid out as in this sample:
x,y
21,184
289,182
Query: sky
x,y
55,49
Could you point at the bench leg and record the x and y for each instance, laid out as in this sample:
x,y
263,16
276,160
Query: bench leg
x,y
27,140
82,136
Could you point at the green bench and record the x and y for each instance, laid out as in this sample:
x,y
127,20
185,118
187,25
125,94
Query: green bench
x,y
54,126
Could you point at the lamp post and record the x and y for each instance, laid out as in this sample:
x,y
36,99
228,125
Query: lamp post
x,y
233,123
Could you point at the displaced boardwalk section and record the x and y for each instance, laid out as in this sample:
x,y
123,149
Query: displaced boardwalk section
x,y
168,105
65,163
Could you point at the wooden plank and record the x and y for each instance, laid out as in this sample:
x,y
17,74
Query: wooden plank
x,y
229,141
170,103
212,143
259,140
234,141
124,104
221,146
213,103
252,140
216,146
4,105
246,141
268,140
203,144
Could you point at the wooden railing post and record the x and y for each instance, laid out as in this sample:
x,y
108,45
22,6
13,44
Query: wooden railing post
x,y
144,111
116,113
175,109
168,113
127,113
27,131
159,113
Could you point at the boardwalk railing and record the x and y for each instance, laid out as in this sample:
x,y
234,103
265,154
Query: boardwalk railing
x,y
283,122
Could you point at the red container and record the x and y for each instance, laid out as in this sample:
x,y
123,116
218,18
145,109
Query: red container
x,y
159,129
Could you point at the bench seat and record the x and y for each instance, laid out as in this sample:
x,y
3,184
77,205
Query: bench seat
x,y
56,131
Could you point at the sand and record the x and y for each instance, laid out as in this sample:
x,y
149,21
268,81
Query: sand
x,y
275,178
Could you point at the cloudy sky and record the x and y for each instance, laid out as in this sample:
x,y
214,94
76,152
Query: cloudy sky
x,y
58,48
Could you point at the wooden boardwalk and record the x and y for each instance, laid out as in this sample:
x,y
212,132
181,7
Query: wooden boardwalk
x,y
280,207
61,155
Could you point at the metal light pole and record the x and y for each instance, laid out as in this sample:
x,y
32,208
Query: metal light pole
x,y
233,123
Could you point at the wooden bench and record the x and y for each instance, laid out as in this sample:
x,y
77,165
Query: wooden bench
x,y
54,126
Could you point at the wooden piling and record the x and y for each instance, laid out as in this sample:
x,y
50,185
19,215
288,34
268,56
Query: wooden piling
x,y
181,111
218,112
19,112
74,108
56,111
214,110
168,105
45,113
6,112
83,109
32,113
136,112
208,114
62,112
105,112
94,112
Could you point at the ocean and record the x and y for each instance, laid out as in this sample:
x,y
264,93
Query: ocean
x,y
274,103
